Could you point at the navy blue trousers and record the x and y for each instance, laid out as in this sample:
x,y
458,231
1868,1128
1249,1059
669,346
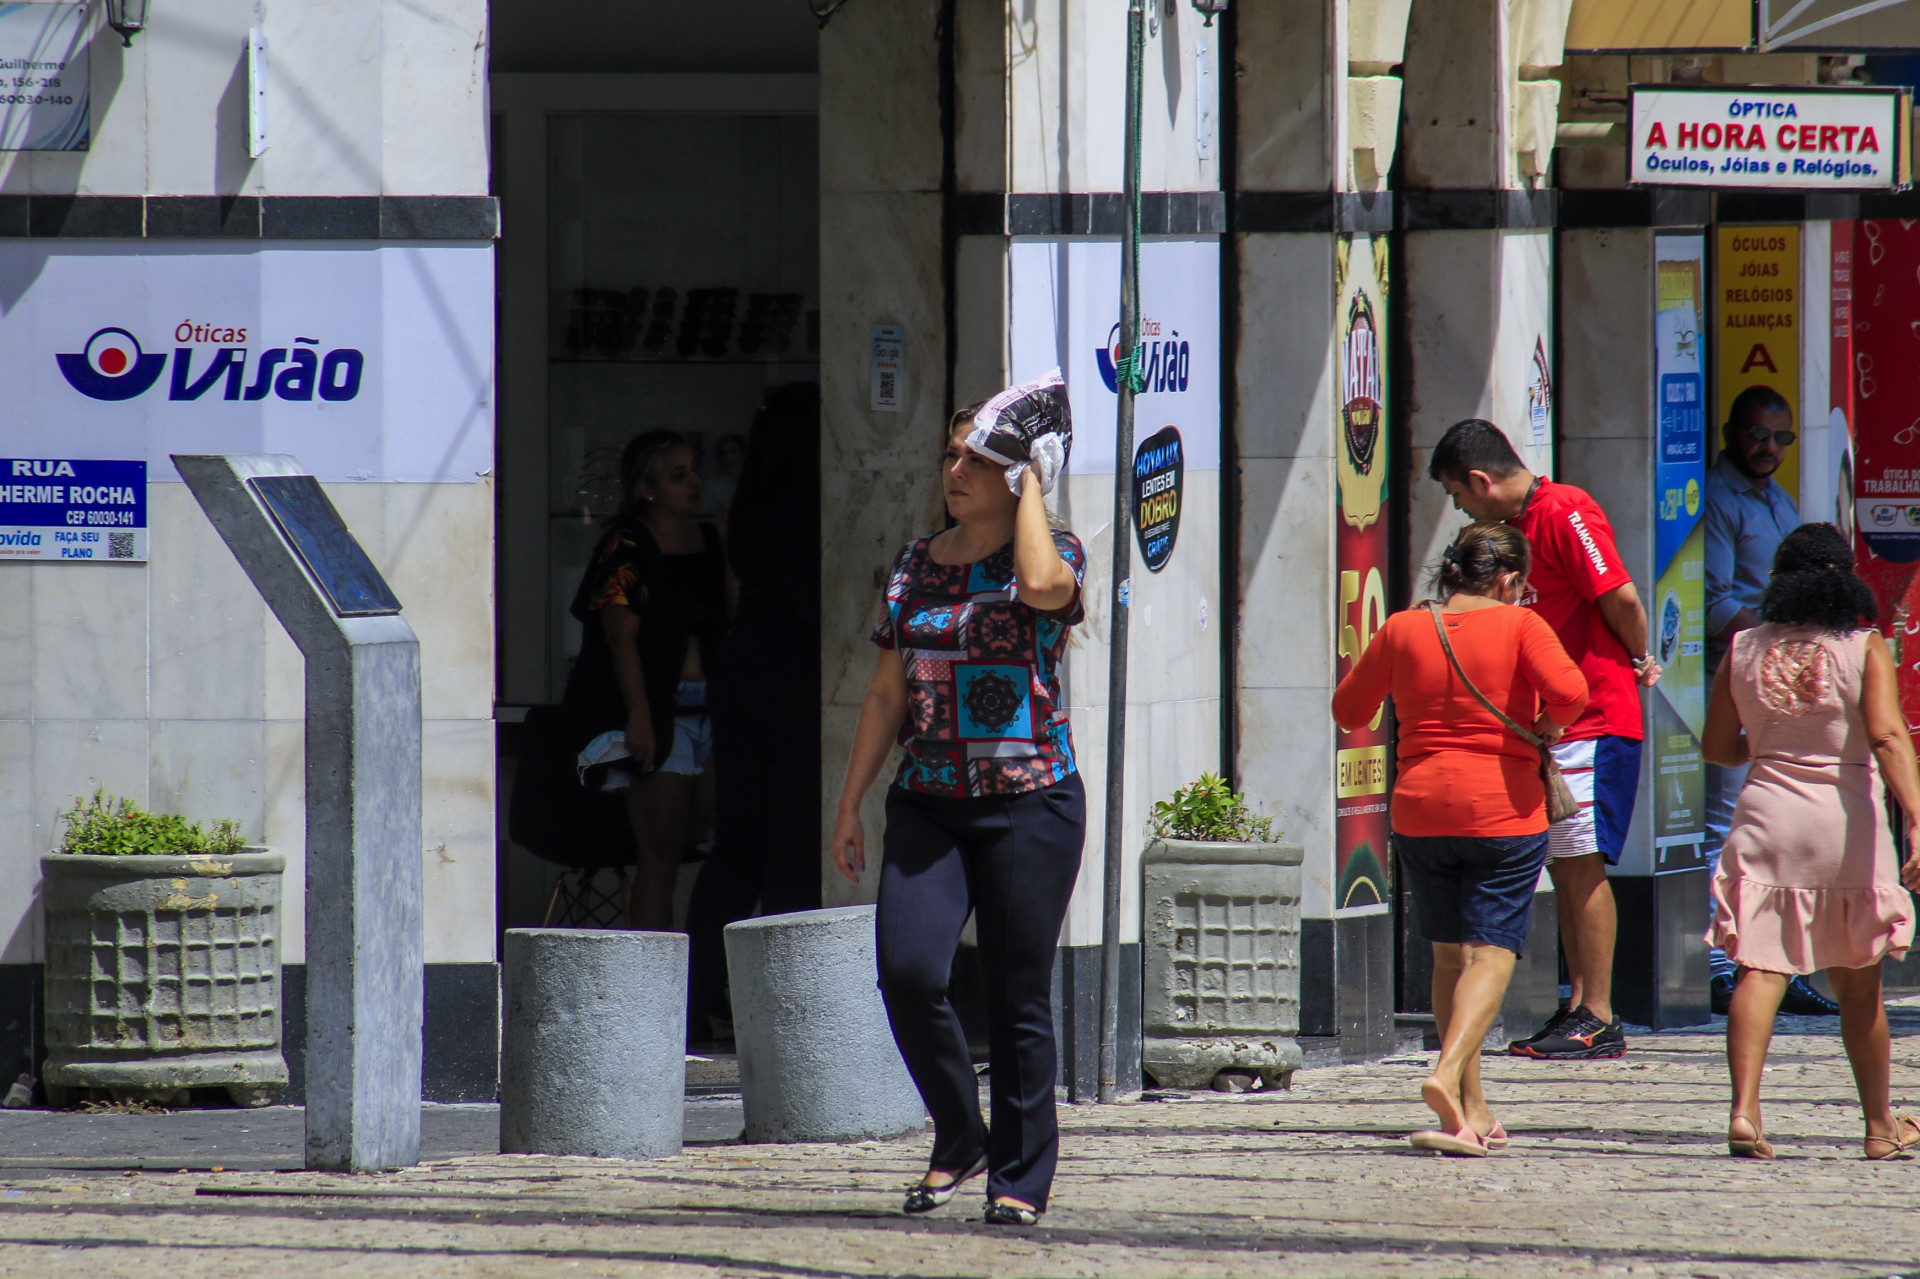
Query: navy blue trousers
x,y
1012,860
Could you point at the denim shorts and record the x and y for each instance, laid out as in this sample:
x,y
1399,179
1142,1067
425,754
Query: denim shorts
x,y
1473,888
692,743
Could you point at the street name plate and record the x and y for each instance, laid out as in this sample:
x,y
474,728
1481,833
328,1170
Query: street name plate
x,y
352,585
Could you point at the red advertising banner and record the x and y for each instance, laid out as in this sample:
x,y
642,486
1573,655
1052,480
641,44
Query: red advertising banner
x,y
1362,765
1876,420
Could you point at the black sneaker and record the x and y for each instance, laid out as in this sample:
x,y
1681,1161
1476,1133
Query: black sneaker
x,y
1519,1046
1581,1037
1804,1001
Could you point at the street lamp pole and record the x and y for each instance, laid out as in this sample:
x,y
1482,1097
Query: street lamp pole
x,y
1127,383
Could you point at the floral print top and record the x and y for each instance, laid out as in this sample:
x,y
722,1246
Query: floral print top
x,y
983,683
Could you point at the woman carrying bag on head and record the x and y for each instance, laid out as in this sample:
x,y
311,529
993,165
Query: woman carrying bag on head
x,y
987,813
1479,687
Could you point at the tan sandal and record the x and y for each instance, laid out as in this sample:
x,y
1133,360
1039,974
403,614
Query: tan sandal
x,y
1755,1147
1904,1122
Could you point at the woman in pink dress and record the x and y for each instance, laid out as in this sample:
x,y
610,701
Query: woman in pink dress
x,y
1808,877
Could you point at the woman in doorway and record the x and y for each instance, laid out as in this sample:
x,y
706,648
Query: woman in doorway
x,y
987,814
653,608
1808,876
1469,806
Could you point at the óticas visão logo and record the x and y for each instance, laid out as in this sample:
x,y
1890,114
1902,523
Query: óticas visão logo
x,y
113,367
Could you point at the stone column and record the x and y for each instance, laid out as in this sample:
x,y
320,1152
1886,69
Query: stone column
x,y
1481,110
1317,123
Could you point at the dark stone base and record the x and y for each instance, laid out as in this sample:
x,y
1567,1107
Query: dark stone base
x,y
1347,983
461,1037
1660,959
1076,1019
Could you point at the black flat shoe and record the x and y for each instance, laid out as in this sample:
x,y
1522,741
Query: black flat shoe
x,y
999,1214
924,1198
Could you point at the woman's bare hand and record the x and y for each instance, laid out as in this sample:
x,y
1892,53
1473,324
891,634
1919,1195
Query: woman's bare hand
x,y
1546,730
849,845
1910,873
640,743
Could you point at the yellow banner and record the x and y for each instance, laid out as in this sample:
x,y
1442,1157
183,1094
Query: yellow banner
x,y
1756,319
1362,771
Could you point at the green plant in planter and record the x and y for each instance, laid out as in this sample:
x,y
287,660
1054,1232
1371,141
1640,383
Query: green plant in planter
x,y
112,826
1208,811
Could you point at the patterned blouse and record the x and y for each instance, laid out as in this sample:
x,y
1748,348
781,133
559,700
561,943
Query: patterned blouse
x,y
983,683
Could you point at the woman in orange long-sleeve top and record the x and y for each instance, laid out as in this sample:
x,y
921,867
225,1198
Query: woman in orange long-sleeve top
x,y
1469,804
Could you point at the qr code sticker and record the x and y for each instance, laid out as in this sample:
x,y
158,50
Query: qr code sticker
x,y
886,387
120,546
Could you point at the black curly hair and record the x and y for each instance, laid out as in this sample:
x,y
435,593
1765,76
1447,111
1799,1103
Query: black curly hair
x,y
1814,584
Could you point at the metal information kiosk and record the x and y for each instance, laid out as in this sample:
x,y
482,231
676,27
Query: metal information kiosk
x,y
365,943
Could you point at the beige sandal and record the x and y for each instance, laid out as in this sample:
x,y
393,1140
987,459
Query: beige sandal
x,y
1908,1125
1755,1147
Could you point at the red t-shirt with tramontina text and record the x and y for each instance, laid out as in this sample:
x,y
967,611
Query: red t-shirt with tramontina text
x,y
1574,563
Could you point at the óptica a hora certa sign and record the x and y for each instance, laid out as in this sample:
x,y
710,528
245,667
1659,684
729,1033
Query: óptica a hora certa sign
x,y
1820,138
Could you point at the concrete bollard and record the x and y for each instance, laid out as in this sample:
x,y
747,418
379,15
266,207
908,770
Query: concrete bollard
x,y
593,1052
817,1060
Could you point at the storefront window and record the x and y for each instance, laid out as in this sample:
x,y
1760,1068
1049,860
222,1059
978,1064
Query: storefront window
x,y
684,268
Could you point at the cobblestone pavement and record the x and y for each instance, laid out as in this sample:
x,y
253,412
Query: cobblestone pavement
x,y
1615,1168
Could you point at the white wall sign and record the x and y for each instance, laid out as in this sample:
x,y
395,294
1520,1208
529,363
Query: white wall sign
x,y
43,77
887,368
1822,138
1066,312
366,361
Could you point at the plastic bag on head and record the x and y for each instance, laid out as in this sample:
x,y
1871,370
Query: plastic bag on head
x,y
1027,425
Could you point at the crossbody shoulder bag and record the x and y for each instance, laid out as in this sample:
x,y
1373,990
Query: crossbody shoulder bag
x,y
1560,801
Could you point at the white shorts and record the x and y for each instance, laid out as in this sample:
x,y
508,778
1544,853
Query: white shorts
x,y
1604,775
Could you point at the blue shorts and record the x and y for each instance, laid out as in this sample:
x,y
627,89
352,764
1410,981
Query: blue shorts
x,y
1604,775
1473,888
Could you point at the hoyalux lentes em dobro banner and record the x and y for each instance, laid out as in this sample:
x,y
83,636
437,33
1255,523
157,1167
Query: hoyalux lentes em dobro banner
x,y
1818,137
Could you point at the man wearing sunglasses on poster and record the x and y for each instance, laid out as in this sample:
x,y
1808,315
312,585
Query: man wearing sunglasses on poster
x,y
1747,515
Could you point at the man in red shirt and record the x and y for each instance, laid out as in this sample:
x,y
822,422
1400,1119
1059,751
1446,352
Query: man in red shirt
x,y
1580,586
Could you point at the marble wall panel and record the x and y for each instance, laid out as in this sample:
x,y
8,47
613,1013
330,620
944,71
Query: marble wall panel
x,y
1286,768
71,758
1068,74
880,264
1606,340
89,640
457,759
1286,568
1285,374
328,105
209,769
438,556
879,100
20,847
837,725
1292,96
196,80
434,52
16,641
283,790
206,621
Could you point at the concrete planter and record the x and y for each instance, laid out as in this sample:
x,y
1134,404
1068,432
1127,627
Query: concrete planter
x,y
163,973
1221,954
